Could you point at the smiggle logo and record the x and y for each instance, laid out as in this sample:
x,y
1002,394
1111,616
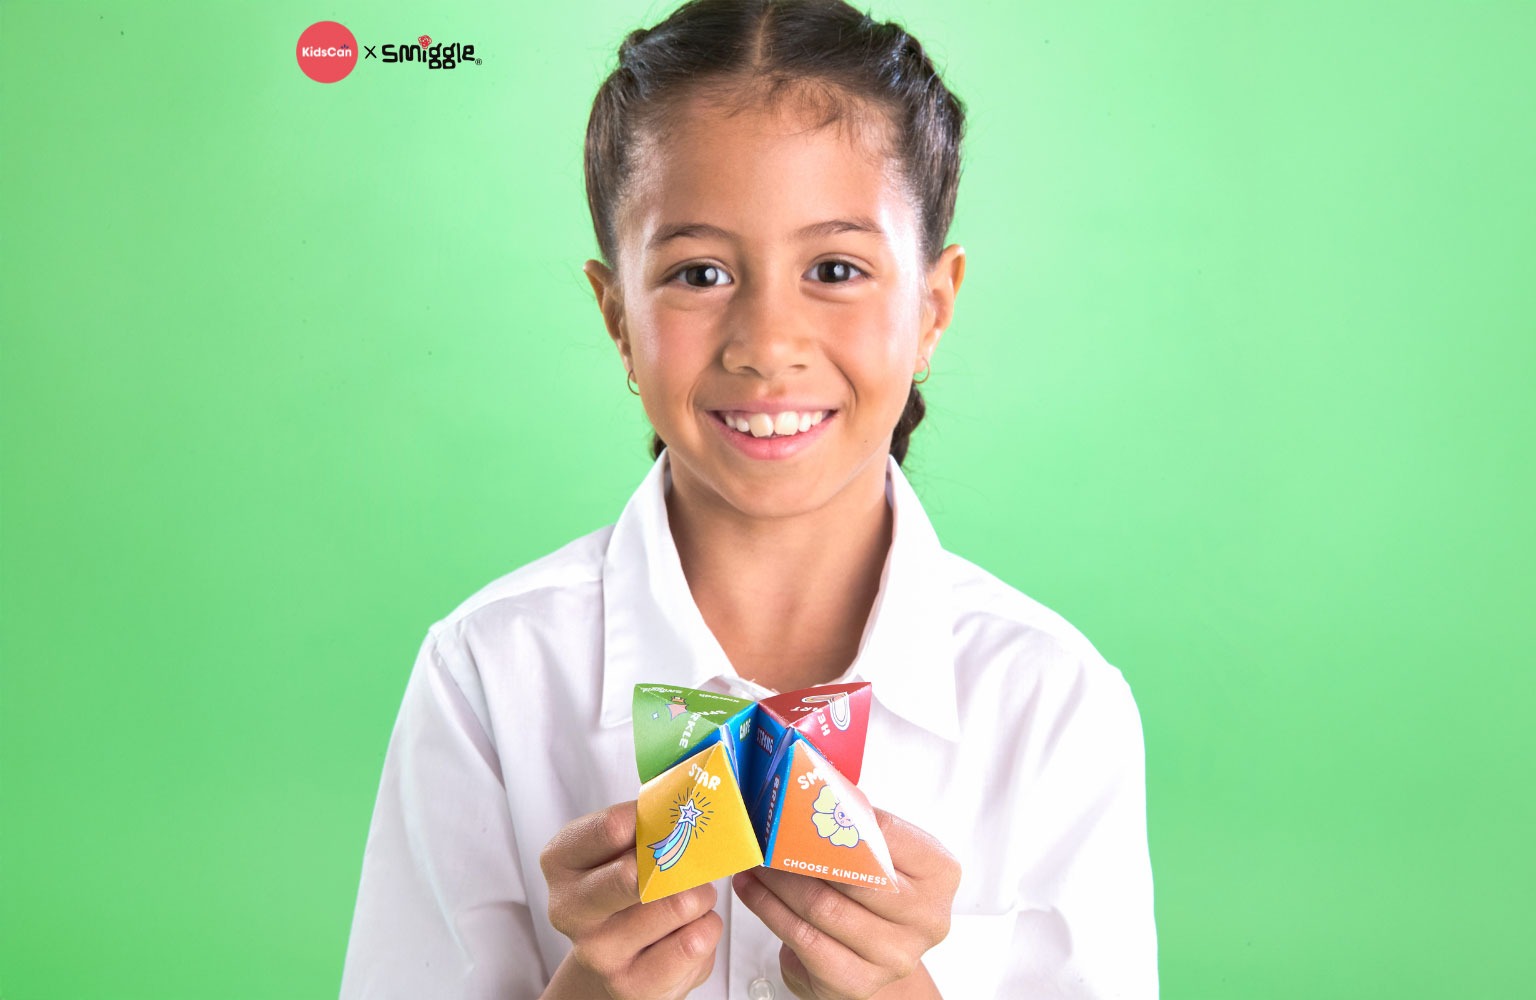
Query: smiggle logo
x,y
437,56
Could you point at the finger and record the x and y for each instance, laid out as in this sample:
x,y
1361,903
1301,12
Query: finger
x,y
641,926
925,870
592,840
683,959
824,955
915,852
591,877
795,975
831,911
605,890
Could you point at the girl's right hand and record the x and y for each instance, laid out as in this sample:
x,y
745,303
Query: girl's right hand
x,y
621,947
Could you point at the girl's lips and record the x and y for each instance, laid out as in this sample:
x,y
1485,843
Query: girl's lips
x,y
774,446
782,422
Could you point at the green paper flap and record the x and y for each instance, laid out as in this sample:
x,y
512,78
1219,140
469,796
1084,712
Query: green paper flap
x,y
671,721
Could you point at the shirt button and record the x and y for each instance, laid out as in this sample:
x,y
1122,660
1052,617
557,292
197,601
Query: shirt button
x,y
760,989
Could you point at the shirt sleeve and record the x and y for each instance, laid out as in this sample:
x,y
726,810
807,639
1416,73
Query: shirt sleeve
x,y
1085,927
441,907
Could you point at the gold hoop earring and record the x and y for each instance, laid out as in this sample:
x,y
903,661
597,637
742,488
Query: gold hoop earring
x,y
927,371
630,383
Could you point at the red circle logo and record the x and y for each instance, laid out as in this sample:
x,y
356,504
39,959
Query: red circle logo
x,y
327,51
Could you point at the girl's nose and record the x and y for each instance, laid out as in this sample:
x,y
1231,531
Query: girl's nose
x,y
767,333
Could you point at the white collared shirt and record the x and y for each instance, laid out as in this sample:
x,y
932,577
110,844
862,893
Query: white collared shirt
x,y
996,727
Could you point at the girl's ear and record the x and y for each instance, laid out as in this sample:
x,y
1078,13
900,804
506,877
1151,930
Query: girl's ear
x,y
943,284
605,286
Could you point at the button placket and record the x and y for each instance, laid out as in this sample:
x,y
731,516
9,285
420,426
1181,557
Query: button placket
x,y
754,955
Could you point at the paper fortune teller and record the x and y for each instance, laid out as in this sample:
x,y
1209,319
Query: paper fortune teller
x,y
728,784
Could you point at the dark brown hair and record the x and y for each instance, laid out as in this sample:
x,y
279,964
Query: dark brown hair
x,y
775,46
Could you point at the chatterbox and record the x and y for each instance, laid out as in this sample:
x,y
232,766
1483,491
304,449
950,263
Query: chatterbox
x,y
729,784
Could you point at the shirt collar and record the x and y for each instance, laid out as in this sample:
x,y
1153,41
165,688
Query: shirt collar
x,y
653,632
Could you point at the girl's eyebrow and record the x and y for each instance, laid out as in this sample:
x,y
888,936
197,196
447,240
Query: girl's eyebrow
x,y
703,230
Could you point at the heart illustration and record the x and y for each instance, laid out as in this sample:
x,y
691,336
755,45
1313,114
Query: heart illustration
x,y
425,41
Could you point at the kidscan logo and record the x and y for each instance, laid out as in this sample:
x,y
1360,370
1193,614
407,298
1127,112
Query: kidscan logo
x,y
327,51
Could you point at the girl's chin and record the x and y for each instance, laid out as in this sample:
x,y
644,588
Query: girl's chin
x,y
771,490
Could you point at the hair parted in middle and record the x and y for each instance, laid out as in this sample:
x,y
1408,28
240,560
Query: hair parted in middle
x,y
825,54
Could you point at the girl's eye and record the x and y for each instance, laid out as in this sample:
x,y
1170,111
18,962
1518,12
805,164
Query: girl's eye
x,y
703,276
835,272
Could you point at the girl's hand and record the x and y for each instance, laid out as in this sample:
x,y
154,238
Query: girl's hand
x,y
620,947
846,942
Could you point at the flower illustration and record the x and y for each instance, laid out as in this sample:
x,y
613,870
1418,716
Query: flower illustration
x,y
832,821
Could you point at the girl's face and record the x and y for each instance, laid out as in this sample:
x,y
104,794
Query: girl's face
x,y
770,279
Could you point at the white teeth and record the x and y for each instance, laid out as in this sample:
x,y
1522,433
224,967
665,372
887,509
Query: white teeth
x,y
784,424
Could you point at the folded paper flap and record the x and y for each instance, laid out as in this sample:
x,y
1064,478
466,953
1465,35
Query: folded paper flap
x,y
824,825
691,828
834,717
672,723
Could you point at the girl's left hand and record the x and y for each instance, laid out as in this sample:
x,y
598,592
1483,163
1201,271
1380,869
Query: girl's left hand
x,y
846,942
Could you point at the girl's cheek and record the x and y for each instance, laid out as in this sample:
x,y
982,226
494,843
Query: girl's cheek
x,y
679,344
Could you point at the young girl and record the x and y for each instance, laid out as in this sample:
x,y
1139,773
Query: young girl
x,y
771,184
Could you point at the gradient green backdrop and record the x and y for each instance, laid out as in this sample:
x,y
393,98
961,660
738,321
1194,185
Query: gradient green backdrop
x,y
1240,382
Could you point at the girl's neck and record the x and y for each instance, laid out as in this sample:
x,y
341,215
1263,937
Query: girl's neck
x,y
787,598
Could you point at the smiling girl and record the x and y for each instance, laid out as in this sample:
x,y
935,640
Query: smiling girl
x,y
771,185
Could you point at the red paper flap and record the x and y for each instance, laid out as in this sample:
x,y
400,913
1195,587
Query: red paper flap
x,y
834,717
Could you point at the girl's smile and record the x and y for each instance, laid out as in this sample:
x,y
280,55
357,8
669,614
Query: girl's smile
x,y
771,301
765,436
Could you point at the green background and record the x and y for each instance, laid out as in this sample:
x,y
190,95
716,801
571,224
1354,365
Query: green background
x,y
1240,382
